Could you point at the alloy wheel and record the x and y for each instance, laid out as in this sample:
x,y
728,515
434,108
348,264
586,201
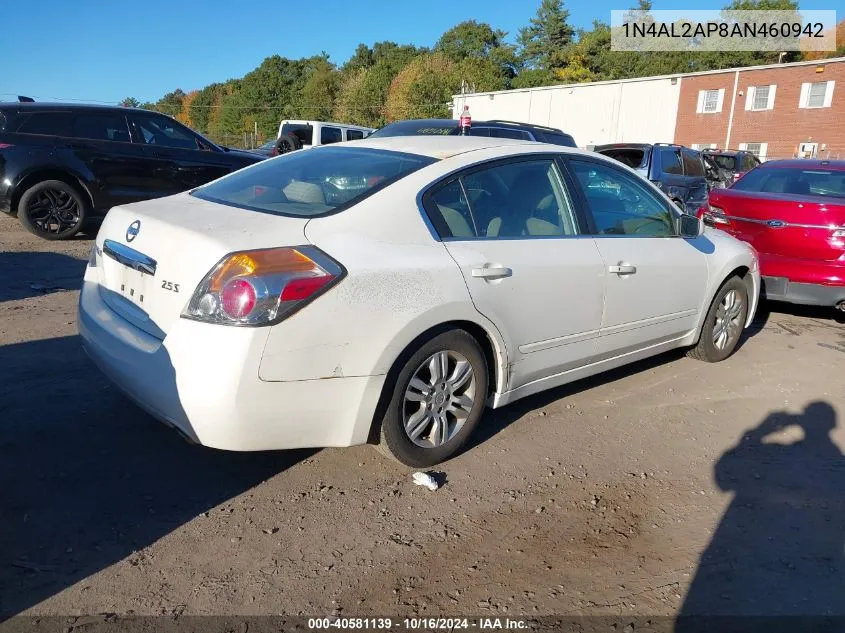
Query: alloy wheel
x,y
728,320
438,399
54,211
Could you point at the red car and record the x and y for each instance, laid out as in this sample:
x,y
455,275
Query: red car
x,y
793,213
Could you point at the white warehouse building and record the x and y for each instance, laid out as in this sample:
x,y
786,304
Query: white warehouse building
x,y
642,110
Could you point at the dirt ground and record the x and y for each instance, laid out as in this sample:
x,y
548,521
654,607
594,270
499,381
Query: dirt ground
x,y
631,493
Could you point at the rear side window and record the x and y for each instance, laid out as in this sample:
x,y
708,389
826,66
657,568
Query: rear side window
x,y
726,162
749,162
47,123
632,157
307,184
504,133
559,139
692,163
354,135
329,135
671,162
305,133
101,127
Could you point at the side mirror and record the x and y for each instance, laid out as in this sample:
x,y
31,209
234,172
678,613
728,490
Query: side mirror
x,y
690,225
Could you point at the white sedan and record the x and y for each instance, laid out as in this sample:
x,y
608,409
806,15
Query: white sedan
x,y
389,290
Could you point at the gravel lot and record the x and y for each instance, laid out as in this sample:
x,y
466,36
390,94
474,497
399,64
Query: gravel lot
x,y
627,494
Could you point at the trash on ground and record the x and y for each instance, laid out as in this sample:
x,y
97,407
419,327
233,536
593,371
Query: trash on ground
x,y
424,479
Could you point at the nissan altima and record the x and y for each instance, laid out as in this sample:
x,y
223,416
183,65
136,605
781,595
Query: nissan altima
x,y
391,290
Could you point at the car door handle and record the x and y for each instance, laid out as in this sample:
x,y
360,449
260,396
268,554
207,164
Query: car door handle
x,y
492,272
622,269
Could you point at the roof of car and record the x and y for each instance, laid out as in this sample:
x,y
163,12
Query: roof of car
x,y
807,163
439,146
58,105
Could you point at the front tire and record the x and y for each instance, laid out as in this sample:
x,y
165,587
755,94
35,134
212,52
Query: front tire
x,y
723,324
438,398
53,210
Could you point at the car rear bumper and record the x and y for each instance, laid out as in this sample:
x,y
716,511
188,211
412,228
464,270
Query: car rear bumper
x,y
203,380
783,289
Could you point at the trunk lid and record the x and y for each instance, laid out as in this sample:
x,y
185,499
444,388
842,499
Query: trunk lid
x,y
153,254
798,226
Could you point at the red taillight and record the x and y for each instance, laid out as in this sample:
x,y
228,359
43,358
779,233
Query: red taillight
x,y
238,298
261,287
300,289
5,145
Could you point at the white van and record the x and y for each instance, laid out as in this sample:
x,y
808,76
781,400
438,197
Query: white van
x,y
313,133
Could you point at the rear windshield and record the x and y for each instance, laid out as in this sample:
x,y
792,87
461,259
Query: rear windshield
x,y
559,139
795,181
725,161
314,182
305,133
631,156
417,128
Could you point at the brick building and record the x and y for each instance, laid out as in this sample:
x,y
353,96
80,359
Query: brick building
x,y
774,111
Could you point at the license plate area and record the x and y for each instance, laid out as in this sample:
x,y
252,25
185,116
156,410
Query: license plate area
x,y
132,285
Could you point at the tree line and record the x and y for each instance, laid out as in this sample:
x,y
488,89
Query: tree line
x,y
389,81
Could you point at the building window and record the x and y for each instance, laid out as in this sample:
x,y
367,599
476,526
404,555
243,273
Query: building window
x,y
816,95
700,146
761,98
710,101
758,149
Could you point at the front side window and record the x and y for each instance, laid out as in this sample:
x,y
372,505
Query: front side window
x,y
316,182
329,135
620,204
101,127
164,132
671,161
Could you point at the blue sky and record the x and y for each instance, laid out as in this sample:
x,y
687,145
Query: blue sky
x,y
103,51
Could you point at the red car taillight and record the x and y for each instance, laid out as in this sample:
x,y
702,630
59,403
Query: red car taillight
x,y
262,287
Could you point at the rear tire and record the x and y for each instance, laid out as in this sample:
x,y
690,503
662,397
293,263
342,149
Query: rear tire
x,y
53,210
723,324
432,412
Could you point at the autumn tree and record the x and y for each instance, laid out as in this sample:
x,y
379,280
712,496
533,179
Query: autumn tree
x,y
185,113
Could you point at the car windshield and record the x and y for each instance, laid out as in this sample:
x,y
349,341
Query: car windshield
x,y
313,182
725,161
424,127
795,181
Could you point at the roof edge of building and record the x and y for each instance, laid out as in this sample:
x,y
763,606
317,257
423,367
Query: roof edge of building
x,y
819,62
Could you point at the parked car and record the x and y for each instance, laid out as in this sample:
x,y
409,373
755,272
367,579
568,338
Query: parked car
x,y
63,164
496,129
728,166
265,149
793,213
304,134
275,309
678,171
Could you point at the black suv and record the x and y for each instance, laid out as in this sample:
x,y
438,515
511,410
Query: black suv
x,y
498,129
61,165
728,165
678,171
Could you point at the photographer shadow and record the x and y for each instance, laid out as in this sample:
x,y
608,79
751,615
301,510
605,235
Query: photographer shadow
x,y
778,550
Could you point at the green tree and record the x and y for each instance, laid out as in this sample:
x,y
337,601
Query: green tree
x,y
479,41
130,102
320,90
361,58
171,103
543,42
